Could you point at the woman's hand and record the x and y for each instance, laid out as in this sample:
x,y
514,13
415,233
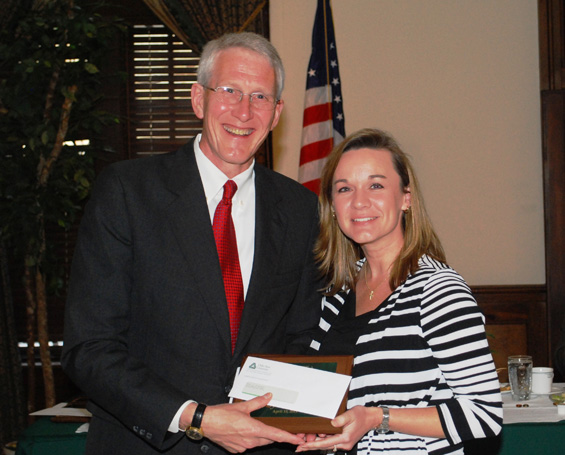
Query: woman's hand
x,y
355,423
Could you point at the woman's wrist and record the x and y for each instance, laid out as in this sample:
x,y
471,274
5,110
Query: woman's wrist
x,y
375,417
383,426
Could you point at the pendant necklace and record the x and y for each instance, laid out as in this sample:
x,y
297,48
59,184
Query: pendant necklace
x,y
372,291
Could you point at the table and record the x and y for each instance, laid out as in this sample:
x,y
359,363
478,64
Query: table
x,y
522,439
521,433
45,437
535,429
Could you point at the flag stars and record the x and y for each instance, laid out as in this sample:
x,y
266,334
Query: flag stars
x,y
312,72
337,99
333,63
339,116
335,81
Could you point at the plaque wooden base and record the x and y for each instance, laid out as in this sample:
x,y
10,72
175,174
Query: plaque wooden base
x,y
297,422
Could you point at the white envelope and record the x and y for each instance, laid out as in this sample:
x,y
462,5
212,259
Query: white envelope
x,y
294,387
60,410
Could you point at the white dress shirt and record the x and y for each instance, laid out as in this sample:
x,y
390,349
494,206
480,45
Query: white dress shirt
x,y
243,206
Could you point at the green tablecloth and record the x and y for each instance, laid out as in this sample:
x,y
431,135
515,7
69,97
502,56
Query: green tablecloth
x,y
534,438
44,437
48,438
522,439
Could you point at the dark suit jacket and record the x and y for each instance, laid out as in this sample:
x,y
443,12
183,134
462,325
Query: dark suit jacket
x,y
146,324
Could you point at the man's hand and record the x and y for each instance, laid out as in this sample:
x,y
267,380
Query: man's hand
x,y
232,427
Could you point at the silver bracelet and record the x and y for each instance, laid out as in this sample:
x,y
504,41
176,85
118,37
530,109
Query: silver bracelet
x,y
383,427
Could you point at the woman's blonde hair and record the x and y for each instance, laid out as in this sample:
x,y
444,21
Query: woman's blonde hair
x,y
337,255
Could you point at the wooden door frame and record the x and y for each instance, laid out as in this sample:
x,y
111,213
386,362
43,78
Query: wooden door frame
x,y
552,92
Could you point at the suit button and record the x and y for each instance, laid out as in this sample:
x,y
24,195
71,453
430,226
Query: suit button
x,y
149,436
227,389
136,429
204,448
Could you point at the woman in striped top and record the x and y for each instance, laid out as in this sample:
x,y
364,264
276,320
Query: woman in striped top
x,y
423,378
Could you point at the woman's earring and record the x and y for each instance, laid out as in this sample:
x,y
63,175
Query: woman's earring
x,y
333,214
406,210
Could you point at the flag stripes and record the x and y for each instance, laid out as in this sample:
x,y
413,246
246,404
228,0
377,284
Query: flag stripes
x,y
323,121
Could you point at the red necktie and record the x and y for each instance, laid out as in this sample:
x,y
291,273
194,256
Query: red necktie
x,y
226,244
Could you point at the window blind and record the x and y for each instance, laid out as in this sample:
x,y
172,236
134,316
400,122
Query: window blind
x,y
164,70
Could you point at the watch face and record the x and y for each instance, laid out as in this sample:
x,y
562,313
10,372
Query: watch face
x,y
194,433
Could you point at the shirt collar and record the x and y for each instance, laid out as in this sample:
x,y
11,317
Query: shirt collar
x,y
213,179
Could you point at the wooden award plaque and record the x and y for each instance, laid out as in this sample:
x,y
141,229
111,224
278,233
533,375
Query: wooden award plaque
x,y
297,422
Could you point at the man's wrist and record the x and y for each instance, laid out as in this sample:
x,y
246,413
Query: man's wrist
x,y
176,424
194,431
187,415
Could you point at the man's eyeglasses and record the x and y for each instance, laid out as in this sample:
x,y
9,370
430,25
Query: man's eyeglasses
x,y
230,95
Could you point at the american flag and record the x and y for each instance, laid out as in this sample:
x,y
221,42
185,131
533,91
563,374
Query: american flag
x,y
323,126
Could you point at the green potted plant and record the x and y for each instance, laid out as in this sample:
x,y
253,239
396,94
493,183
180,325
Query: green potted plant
x,y
50,124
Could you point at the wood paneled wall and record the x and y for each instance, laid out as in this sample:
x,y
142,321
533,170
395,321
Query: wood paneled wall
x,y
551,15
516,323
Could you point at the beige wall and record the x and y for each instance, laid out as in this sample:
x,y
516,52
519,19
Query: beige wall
x,y
457,83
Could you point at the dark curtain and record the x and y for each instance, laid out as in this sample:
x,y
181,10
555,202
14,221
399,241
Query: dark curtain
x,y
196,22
12,399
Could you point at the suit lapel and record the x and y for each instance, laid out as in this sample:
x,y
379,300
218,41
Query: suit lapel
x,y
270,225
190,220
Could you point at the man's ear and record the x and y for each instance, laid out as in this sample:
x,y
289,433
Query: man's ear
x,y
197,100
277,114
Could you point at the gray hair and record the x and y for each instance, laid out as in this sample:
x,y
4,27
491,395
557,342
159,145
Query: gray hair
x,y
246,40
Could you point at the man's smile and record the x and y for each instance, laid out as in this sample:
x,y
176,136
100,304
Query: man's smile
x,y
238,131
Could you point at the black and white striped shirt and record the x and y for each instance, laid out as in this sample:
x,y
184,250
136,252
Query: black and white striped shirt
x,y
425,346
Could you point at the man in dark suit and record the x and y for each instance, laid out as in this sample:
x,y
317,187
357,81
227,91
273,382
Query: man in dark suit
x,y
147,328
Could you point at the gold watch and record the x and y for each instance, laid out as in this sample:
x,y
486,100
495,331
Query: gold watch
x,y
194,431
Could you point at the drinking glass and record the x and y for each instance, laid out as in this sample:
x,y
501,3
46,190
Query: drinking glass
x,y
520,376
